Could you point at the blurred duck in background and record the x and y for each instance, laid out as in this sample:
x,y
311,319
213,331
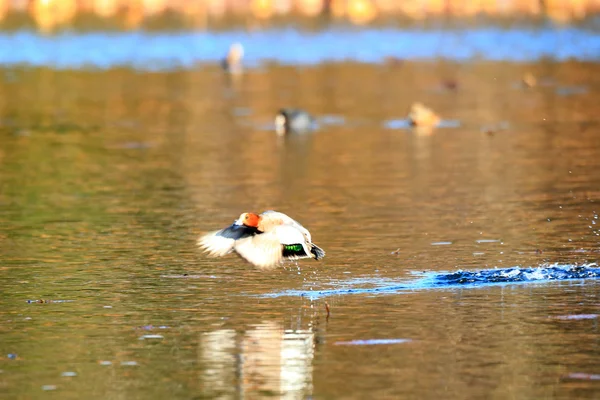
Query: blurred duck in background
x,y
293,121
529,80
422,116
233,61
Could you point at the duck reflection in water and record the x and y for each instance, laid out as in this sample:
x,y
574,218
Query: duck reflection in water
x,y
264,359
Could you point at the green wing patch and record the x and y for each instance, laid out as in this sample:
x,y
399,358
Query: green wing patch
x,y
294,251
293,247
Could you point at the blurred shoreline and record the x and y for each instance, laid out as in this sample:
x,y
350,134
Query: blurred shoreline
x,y
53,15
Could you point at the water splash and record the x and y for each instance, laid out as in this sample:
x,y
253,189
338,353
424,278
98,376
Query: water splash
x,y
453,280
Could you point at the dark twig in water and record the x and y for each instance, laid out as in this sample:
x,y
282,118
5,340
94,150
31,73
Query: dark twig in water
x,y
327,309
43,301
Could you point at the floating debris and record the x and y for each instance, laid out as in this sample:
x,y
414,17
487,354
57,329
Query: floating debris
x,y
491,129
327,309
583,375
12,356
186,276
151,327
106,306
450,84
129,363
441,243
42,301
576,316
49,387
69,373
480,241
151,337
370,342
102,362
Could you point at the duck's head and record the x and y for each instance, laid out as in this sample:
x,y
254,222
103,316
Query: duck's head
x,y
249,219
281,122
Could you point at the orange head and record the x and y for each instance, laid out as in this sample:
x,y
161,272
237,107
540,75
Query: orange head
x,y
249,219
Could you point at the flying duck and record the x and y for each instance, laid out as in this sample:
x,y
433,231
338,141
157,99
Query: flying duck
x,y
264,240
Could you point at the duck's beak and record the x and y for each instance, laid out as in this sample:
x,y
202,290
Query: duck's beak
x,y
240,220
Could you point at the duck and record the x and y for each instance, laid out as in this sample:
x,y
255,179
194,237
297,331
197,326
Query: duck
x,y
529,80
293,121
264,240
232,63
420,115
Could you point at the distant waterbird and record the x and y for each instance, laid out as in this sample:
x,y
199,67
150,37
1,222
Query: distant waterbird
x,y
420,115
265,240
529,80
232,62
293,121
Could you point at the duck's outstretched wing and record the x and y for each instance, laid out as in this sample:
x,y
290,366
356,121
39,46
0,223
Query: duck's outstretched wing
x,y
263,251
220,243
278,218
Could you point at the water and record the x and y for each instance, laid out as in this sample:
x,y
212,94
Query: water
x,y
108,176
180,49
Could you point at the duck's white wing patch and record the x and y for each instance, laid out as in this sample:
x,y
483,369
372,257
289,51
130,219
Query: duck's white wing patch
x,y
286,220
215,244
289,234
264,250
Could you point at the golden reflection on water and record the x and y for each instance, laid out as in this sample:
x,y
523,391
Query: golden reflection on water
x,y
266,359
108,177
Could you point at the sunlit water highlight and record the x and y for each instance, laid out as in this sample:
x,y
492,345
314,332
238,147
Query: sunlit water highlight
x,y
454,280
177,50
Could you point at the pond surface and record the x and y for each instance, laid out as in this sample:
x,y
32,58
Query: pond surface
x,y
483,233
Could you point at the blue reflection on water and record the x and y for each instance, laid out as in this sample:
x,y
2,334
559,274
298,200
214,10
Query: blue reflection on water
x,y
171,50
453,280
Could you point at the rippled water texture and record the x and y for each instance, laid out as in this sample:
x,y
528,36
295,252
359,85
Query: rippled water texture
x,y
461,261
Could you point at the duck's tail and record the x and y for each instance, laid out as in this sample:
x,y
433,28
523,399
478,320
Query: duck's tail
x,y
317,251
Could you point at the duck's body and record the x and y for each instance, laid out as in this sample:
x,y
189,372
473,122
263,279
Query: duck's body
x,y
264,240
420,115
232,63
292,120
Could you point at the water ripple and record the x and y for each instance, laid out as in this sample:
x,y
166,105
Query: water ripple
x,y
177,50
